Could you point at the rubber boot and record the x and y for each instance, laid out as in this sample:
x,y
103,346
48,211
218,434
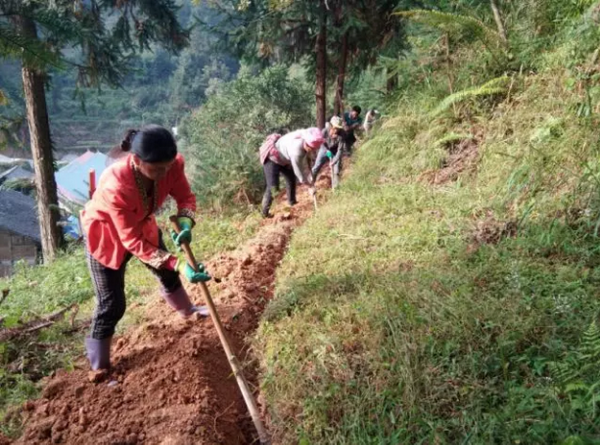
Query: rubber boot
x,y
266,204
180,301
98,352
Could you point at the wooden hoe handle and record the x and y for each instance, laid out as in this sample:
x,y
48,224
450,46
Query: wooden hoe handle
x,y
233,361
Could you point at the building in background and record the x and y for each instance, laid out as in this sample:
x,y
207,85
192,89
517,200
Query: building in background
x,y
73,185
73,179
16,172
19,231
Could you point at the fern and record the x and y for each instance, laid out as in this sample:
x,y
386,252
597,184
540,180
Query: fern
x,y
457,25
494,86
578,374
590,344
564,372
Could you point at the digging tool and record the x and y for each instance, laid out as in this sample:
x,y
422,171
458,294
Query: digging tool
x,y
233,361
314,197
332,175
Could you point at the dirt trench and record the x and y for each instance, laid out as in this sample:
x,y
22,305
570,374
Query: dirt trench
x,y
171,383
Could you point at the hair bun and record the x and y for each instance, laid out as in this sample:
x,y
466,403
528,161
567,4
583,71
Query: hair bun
x,y
128,139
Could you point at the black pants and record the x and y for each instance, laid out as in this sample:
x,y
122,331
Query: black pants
x,y
350,140
109,287
272,171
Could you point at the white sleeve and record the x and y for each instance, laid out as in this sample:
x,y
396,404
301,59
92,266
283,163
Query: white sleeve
x,y
299,162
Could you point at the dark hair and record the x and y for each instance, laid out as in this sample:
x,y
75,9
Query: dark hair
x,y
152,143
357,109
127,139
279,130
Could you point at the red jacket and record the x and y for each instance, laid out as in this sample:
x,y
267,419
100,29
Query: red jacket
x,y
118,220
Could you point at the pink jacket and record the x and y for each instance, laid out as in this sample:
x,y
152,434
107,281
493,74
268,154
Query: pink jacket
x,y
118,220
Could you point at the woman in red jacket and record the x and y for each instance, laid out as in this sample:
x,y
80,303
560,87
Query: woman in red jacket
x,y
119,223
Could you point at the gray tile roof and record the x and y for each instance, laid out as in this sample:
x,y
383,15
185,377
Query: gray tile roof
x,y
18,214
16,172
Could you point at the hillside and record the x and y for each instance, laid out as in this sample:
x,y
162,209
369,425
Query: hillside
x,y
449,292
446,292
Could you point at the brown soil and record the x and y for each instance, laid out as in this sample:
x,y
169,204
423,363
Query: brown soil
x,y
171,383
461,158
492,231
488,230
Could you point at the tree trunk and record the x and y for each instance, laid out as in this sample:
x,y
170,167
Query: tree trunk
x,y
498,18
341,77
41,150
391,82
321,51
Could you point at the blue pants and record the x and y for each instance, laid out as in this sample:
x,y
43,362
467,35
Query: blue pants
x,y
320,162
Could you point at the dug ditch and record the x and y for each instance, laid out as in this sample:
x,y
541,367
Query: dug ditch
x,y
171,383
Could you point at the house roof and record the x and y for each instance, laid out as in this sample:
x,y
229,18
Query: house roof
x,y
18,214
16,172
6,160
73,179
69,157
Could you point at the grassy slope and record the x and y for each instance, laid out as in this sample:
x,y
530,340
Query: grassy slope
x,y
37,291
395,322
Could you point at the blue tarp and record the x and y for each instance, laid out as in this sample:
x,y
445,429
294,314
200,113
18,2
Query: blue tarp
x,y
72,228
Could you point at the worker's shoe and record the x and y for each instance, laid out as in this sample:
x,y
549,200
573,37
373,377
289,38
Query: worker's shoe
x,y
180,301
266,206
98,353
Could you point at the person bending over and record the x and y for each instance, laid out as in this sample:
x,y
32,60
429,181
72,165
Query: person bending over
x,y
119,223
287,155
332,150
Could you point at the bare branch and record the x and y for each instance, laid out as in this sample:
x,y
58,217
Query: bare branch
x,y
34,325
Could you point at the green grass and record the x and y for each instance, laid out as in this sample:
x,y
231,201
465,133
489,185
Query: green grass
x,y
394,321
41,290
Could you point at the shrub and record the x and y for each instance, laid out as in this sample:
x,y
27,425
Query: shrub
x,y
224,135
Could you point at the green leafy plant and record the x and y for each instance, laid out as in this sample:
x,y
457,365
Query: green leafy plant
x,y
451,139
580,370
498,86
224,135
459,26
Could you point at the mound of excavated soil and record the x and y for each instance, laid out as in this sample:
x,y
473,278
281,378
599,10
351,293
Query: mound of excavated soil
x,y
171,383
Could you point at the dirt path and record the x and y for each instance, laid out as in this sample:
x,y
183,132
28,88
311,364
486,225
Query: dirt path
x,y
171,383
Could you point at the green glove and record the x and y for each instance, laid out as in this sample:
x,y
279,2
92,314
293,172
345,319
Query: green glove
x,y
329,154
192,276
185,235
